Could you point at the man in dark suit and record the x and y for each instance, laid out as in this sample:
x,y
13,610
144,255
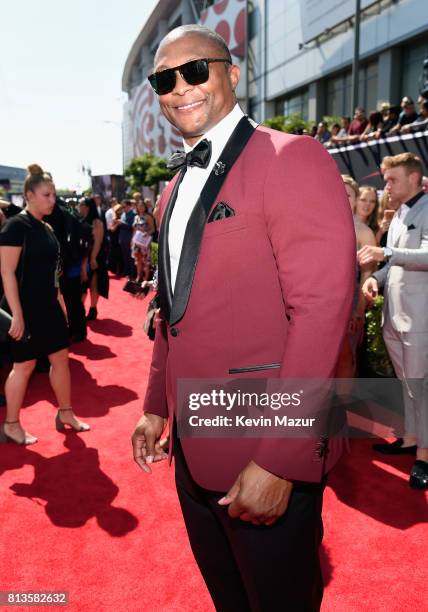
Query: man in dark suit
x,y
256,274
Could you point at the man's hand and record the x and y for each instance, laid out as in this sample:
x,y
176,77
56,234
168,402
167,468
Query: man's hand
x,y
370,289
146,443
384,225
368,254
257,496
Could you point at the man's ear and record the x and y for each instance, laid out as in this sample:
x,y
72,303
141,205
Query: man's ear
x,y
234,74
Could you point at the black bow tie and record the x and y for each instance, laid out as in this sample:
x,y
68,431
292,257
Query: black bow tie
x,y
199,156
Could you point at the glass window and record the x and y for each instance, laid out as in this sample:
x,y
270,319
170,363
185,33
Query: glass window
x,y
339,91
297,104
338,94
412,65
370,97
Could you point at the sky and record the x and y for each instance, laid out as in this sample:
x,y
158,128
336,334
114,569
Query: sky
x,y
61,65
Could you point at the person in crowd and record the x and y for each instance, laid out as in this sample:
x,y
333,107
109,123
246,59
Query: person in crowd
x,y
408,115
387,209
358,125
149,205
99,205
137,198
384,109
374,124
389,120
126,226
313,131
110,217
335,129
110,214
115,262
421,123
342,136
425,184
30,256
74,237
347,362
9,209
238,495
156,219
96,276
367,207
322,135
144,227
404,279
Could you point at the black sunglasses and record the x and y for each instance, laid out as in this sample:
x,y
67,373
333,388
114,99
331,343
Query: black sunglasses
x,y
195,72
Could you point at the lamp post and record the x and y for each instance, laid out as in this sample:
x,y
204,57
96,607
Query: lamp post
x,y
356,61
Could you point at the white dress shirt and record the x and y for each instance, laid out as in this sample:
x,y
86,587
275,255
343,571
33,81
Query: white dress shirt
x,y
193,183
397,223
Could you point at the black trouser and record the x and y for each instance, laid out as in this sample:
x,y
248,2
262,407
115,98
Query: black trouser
x,y
128,262
71,289
114,259
255,568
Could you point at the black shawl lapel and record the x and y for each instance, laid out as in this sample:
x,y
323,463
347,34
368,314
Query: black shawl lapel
x,y
198,218
164,267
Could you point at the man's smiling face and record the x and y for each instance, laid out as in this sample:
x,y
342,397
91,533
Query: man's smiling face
x,y
194,109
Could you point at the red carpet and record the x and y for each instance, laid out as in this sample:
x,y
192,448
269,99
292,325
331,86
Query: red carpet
x,y
78,515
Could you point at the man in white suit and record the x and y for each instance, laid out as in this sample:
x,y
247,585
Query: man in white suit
x,y
405,315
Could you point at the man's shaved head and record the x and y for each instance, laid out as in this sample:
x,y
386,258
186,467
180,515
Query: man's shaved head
x,y
195,109
196,30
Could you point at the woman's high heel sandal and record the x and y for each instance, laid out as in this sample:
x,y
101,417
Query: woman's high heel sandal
x,y
4,437
60,426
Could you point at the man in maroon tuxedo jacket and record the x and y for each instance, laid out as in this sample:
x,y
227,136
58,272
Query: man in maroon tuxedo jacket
x,y
256,278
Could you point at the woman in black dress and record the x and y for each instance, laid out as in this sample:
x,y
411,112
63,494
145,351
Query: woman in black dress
x,y
30,268
97,270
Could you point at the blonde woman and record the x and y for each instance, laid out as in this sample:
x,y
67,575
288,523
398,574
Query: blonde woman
x,y
347,363
30,268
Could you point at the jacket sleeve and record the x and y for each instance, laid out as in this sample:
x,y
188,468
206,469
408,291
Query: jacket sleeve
x,y
155,401
412,259
382,274
310,226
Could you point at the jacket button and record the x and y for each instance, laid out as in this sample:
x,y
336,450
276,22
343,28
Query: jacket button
x,y
321,448
174,332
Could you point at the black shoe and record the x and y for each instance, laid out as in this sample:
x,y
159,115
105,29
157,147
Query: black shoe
x,y
92,314
395,448
419,475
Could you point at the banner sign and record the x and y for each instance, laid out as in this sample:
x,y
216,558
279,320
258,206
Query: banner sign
x,y
362,161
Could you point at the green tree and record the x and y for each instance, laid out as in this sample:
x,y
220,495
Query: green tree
x,y
147,170
331,120
276,123
292,123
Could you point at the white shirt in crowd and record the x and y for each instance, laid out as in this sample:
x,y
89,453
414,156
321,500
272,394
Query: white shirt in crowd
x,y
193,183
110,217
